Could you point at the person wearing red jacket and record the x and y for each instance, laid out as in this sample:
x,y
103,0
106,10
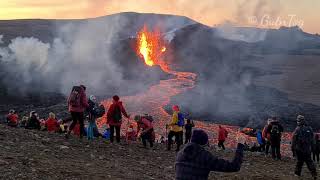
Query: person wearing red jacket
x,y
223,133
12,118
77,103
51,123
266,135
114,117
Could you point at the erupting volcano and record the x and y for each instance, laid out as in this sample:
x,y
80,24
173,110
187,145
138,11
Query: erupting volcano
x,y
151,47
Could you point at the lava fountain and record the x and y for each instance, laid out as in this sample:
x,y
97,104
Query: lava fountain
x,y
151,47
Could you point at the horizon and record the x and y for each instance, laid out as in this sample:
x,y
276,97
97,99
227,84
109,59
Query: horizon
x,y
250,13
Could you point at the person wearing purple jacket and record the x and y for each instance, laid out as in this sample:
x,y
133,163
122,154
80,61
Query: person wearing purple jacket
x,y
193,162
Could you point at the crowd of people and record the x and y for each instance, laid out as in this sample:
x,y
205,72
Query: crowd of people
x,y
193,161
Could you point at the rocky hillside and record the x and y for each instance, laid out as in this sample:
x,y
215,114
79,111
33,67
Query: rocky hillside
x,y
27,154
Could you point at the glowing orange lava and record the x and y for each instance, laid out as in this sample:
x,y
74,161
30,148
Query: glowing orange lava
x,y
150,47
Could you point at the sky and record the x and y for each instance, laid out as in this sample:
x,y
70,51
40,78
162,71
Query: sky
x,y
259,13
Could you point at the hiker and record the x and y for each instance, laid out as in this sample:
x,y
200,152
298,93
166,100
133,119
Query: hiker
x,y
114,117
193,162
176,125
188,127
146,127
223,134
33,122
261,141
51,123
302,141
266,136
12,118
77,103
131,134
92,117
275,130
316,148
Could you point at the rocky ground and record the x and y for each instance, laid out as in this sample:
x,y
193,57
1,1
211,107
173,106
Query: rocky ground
x,y
27,154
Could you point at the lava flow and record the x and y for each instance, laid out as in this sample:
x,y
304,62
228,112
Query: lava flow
x,y
150,48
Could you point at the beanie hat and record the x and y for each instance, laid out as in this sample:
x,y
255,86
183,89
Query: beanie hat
x,y
175,108
199,137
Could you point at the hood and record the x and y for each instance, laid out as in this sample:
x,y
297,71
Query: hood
x,y
191,150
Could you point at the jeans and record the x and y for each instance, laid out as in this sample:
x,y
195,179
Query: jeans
x,y
221,144
177,136
117,128
147,136
305,158
77,117
275,149
91,128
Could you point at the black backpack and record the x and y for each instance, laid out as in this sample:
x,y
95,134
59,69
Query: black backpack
x,y
99,111
148,117
117,115
275,131
304,138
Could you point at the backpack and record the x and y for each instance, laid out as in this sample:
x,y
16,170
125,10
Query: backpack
x,y
148,117
117,115
180,122
99,111
305,138
75,99
275,131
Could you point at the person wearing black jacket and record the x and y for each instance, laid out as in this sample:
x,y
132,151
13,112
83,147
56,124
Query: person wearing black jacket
x,y
275,130
33,122
188,127
193,162
302,141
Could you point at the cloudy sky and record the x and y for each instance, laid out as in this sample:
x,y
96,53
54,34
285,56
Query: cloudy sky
x,y
262,13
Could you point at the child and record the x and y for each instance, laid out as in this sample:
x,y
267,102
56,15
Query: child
x,y
12,118
51,123
131,134
188,132
316,148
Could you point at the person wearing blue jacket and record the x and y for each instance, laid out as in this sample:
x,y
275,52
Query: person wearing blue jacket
x,y
260,141
193,162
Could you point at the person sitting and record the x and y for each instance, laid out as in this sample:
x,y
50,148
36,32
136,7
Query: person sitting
x,y
34,122
51,123
24,121
131,134
12,118
193,162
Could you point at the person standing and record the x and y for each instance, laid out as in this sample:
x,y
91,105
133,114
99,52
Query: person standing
x,y
275,130
222,136
194,162
175,129
77,103
114,117
188,127
316,148
302,141
261,141
92,117
266,136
